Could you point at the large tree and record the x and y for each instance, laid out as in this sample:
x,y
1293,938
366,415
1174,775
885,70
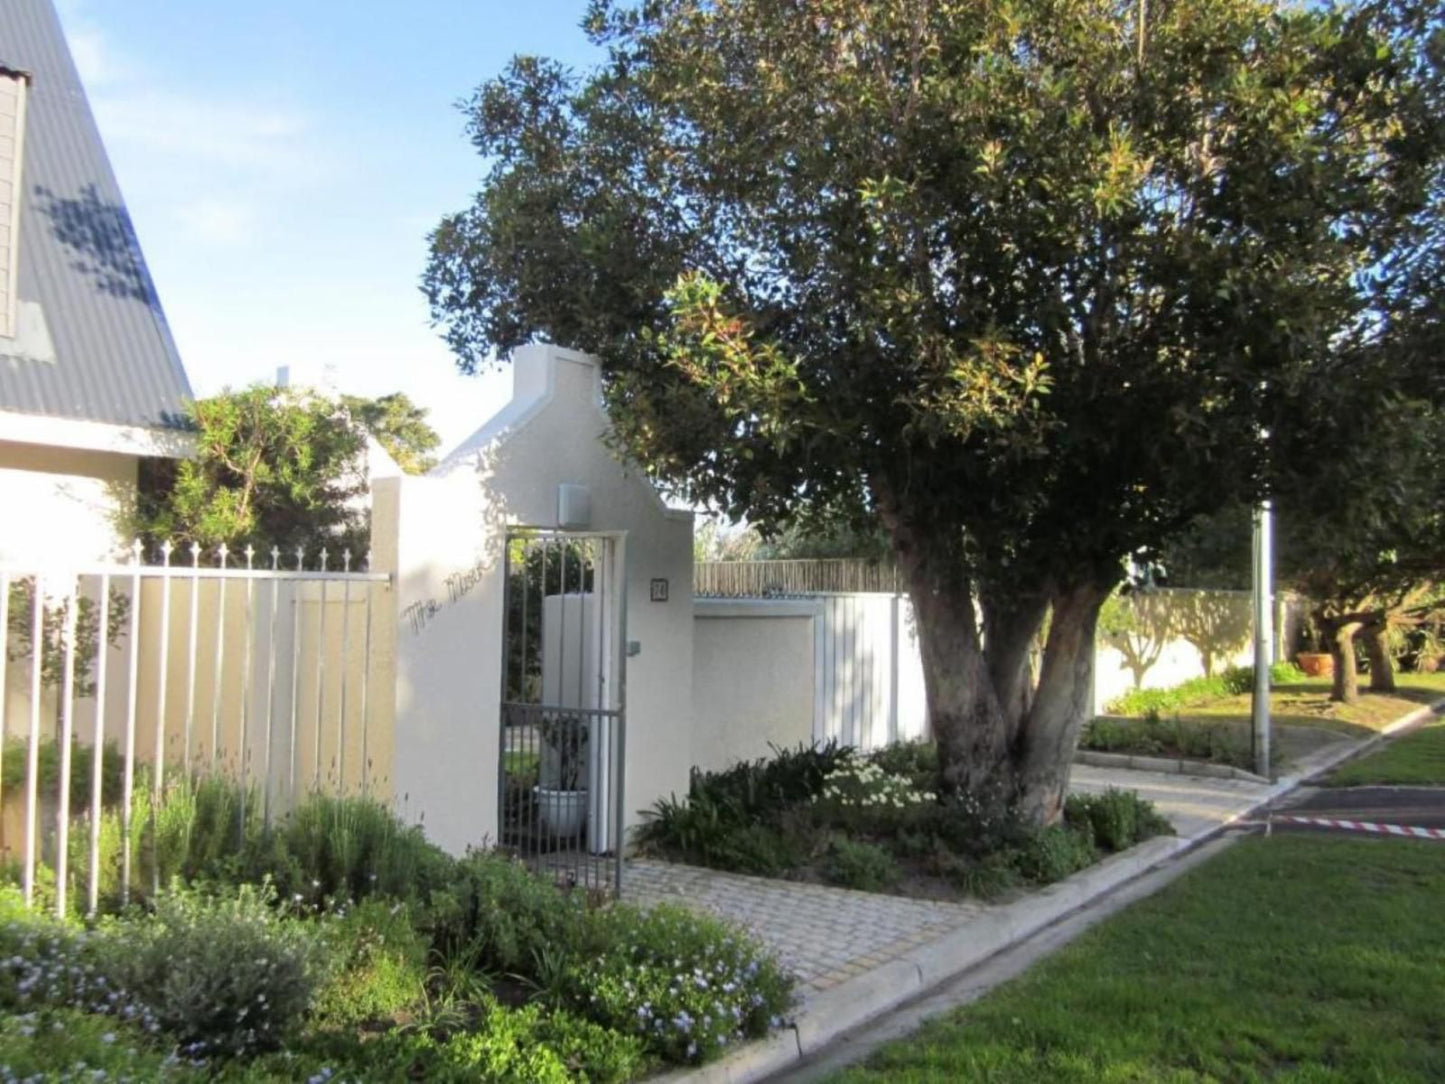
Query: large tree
x,y
399,426
272,467
1022,281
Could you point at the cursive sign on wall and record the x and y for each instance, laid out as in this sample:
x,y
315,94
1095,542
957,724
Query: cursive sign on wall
x,y
459,585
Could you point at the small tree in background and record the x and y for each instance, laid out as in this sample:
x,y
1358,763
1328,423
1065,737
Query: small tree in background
x,y
399,426
273,467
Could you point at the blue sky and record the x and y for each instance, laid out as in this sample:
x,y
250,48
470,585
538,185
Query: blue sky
x,y
283,161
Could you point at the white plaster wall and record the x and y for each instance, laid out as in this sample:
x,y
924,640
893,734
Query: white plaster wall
x,y
1177,634
452,524
865,671
63,505
753,683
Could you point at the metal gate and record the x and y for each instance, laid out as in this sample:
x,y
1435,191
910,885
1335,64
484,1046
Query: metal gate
x,y
563,740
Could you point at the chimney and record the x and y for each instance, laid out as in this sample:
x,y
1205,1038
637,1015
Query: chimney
x,y
14,88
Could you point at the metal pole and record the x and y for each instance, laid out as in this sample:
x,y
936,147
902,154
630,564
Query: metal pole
x,y
67,731
246,686
133,693
219,672
270,688
191,654
32,763
97,751
345,659
320,673
1263,634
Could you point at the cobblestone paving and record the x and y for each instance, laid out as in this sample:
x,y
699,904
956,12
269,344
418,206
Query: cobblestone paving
x,y
824,935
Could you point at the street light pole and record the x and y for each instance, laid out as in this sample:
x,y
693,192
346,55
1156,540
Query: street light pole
x,y
1263,633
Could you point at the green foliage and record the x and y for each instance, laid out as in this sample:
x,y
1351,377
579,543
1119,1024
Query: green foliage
x,y
1213,741
399,426
378,966
735,819
506,916
225,974
511,1046
19,647
82,767
867,867
1234,681
1022,282
347,848
916,760
1055,852
273,467
1116,819
687,986
232,971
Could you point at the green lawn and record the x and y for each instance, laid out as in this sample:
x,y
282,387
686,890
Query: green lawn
x,y
1293,959
1416,759
1308,704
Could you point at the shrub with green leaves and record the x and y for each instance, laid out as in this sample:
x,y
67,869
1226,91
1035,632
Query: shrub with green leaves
x,y
1056,852
1117,819
348,848
505,915
867,867
378,965
1215,742
687,986
223,973
504,1045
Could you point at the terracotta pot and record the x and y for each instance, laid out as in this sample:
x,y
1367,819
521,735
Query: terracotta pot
x,y
1316,663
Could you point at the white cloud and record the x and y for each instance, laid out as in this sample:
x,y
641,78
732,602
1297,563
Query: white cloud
x,y
218,220
267,141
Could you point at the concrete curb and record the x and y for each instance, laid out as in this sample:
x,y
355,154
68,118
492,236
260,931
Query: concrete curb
x,y
841,1008
1167,765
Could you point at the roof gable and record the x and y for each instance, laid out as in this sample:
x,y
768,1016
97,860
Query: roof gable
x,y
91,341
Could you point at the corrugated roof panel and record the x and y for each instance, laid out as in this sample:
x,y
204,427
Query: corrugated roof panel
x,y
113,356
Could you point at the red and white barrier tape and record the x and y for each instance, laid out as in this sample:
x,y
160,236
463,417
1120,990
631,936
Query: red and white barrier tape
x,y
1406,830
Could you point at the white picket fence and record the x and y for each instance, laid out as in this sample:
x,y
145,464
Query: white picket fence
x,y
269,676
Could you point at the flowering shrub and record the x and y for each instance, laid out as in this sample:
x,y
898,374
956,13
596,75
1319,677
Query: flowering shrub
x,y
862,790
687,986
224,974
45,964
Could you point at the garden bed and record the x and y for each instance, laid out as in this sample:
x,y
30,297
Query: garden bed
x,y
343,946
875,822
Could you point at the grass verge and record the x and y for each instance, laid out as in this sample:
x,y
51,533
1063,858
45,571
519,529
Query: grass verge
x,y
1417,759
1307,703
1296,959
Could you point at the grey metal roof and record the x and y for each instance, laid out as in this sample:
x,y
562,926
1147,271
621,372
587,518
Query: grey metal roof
x,y
113,356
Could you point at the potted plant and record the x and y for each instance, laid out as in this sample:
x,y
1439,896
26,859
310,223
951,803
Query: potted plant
x,y
561,789
1315,663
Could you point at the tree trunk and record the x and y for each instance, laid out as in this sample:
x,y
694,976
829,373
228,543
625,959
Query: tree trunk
x,y
1382,668
965,715
1346,688
998,738
1062,703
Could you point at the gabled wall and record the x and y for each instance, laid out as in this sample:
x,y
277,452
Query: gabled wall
x,y
443,536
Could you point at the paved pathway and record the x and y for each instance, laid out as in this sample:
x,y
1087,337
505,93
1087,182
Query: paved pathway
x,y
827,935
823,935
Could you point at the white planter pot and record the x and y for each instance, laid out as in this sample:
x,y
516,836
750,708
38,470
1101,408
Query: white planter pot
x,y
562,812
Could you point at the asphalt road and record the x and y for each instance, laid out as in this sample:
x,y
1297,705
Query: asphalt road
x,y
1422,807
